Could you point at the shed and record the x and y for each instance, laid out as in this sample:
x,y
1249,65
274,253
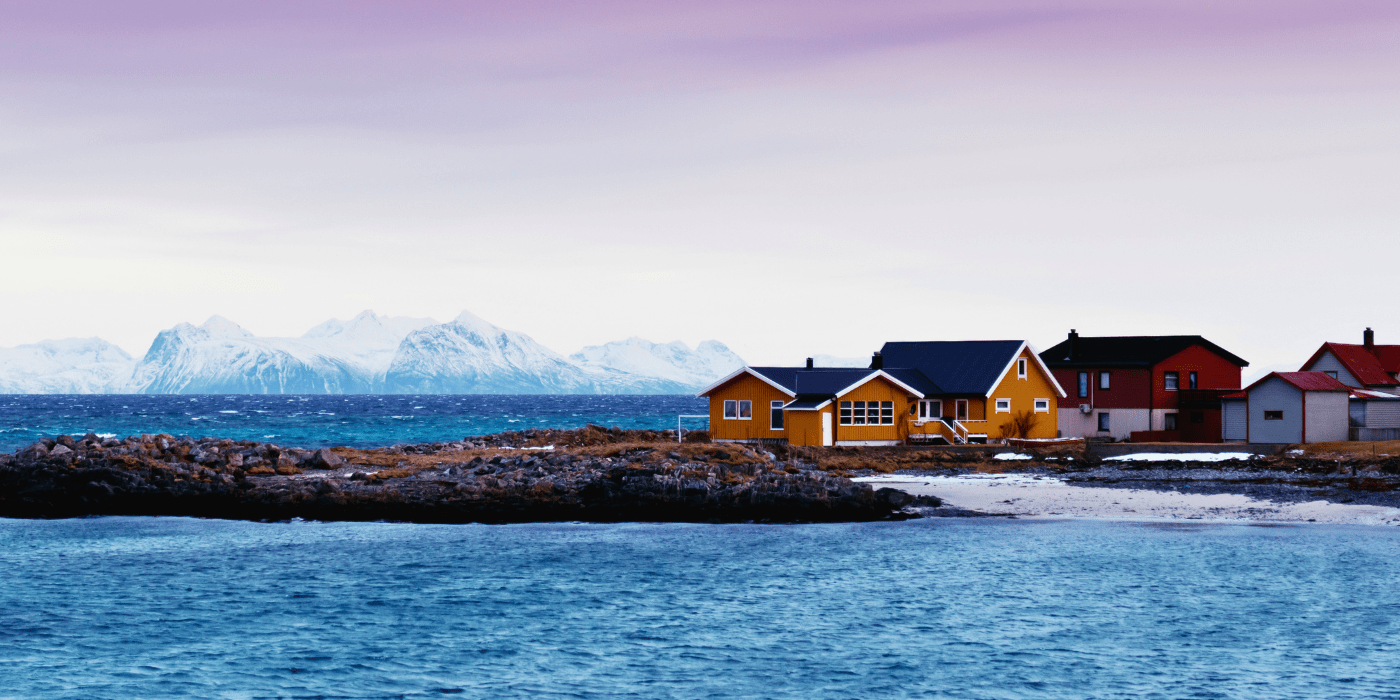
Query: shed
x,y
1297,407
1375,415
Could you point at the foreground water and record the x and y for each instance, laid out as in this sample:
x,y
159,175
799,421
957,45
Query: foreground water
x,y
320,421
178,608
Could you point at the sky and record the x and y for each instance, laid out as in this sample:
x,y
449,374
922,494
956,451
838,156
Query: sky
x,y
790,178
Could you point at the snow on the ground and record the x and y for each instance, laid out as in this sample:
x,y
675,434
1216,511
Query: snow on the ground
x,y
1012,455
1182,457
1031,496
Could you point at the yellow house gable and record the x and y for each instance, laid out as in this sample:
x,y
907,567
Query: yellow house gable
x,y
1027,392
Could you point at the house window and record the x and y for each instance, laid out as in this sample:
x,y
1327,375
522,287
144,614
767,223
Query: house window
x,y
1021,368
1042,405
1103,422
1198,417
1103,381
1191,380
1331,374
731,410
775,415
1003,405
1171,380
961,409
1273,415
867,412
1083,385
930,409
745,410
1169,421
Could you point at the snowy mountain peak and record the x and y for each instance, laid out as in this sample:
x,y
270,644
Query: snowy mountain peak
x,y
69,366
674,361
218,326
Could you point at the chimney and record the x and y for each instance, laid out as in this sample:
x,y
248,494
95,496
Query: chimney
x,y
1073,344
1369,340
809,363
877,362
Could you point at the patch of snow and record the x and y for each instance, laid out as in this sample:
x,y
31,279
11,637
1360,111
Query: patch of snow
x,y
1182,457
1295,453
1012,456
984,479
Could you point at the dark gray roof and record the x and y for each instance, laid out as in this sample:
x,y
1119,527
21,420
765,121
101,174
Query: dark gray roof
x,y
916,379
1129,351
954,366
807,402
826,381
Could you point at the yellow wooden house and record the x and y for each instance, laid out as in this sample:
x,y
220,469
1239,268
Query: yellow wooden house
x,y
952,392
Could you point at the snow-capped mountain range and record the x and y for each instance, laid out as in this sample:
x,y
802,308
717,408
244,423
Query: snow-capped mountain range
x,y
367,354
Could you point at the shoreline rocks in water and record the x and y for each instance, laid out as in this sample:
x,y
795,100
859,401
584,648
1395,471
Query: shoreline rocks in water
x,y
602,479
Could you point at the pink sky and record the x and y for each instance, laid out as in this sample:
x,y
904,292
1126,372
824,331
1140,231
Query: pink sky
x,y
800,178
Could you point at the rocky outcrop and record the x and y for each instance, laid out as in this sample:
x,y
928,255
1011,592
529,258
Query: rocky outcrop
x,y
464,481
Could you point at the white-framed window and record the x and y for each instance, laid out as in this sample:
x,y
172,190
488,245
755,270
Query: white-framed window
x,y
1003,405
1020,368
960,406
930,409
775,415
745,410
1042,405
866,412
731,410
1171,380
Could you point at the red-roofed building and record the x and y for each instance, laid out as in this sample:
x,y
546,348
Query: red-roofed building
x,y
1364,366
1297,407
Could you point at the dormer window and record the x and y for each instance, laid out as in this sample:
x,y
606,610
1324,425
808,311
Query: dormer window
x,y
1021,368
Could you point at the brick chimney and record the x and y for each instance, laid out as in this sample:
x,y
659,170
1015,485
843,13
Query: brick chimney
x,y
1369,340
877,362
1073,344
809,363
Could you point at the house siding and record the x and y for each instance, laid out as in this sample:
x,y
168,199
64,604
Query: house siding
x,y
1128,388
805,427
1329,363
1276,395
877,389
1236,420
1122,422
749,388
1327,415
1383,414
1212,372
1023,393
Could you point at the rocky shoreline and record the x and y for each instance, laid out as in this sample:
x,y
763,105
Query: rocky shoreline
x,y
601,475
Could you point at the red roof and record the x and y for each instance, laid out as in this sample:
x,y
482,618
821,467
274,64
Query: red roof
x,y
1236,395
1307,381
1371,370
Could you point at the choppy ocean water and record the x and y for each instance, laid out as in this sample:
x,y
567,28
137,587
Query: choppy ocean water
x,y
319,421
179,608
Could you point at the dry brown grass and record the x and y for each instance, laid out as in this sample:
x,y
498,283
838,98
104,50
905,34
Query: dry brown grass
x,y
1349,449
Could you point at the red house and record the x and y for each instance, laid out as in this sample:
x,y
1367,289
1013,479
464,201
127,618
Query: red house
x,y
1163,388
1364,366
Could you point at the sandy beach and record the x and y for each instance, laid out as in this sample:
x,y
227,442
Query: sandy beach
x,y
1035,496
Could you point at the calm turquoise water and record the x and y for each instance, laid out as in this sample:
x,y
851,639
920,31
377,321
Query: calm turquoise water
x,y
318,421
178,608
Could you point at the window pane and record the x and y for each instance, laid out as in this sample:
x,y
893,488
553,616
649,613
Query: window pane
x,y
1083,385
746,409
1103,380
731,409
775,415
1192,380
1103,421
1170,380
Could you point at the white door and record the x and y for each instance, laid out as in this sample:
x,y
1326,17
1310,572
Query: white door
x,y
826,429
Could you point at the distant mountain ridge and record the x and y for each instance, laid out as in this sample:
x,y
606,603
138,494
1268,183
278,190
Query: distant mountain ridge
x,y
369,354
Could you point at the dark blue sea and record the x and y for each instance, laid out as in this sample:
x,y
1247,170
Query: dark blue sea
x,y
943,608
320,421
